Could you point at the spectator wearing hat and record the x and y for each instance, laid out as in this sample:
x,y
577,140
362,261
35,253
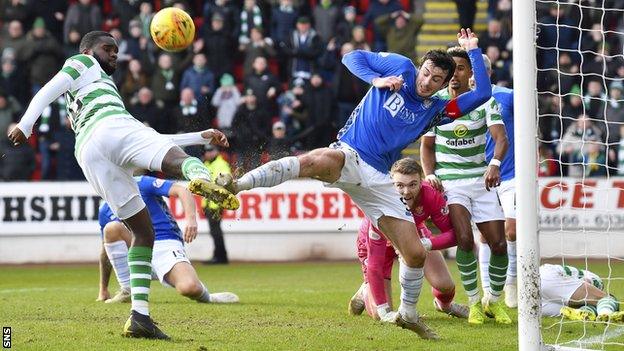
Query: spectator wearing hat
x,y
217,165
84,16
199,78
345,25
226,99
376,9
303,48
291,109
146,13
252,125
218,45
279,146
43,54
226,12
400,30
53,13
13,82
18,162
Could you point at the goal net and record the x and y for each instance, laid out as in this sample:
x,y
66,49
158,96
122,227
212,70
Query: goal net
x,y
576,101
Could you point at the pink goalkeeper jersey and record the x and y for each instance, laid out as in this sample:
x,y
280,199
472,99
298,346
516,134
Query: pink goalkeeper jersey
x,y
377,254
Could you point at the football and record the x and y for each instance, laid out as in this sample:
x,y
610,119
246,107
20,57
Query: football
x,y
172,29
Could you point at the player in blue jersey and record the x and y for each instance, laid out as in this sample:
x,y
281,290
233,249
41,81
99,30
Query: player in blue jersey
x,y
169,261
506,193
396,111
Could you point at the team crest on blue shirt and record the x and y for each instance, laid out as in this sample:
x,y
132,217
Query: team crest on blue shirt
x,y
427,103
158,183
394,104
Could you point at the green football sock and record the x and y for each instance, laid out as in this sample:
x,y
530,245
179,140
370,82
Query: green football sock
x,y
139,262
467,264
193,168
498,274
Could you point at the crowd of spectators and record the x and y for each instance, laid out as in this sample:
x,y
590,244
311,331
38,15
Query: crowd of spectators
x,y
268,73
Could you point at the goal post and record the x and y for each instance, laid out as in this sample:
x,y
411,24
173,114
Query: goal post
x,y
525,130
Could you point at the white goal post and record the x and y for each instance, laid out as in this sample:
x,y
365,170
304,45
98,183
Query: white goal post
x,y
525,130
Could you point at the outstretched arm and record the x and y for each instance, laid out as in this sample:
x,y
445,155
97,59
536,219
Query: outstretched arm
x,y
379,69
472,99
105,272
57,86
190,210
209,136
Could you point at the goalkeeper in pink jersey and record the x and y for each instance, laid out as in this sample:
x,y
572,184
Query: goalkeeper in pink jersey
x,y
377,254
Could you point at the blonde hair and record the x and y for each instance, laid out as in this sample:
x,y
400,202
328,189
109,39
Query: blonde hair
x,y
407,166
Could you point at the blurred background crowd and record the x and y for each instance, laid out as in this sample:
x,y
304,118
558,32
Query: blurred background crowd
x,y
268,73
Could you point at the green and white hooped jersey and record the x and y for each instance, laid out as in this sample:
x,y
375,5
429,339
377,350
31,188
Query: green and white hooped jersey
x,y
91,97
582,275
460,145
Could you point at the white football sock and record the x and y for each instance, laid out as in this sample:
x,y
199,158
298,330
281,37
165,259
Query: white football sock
x,y
117,253
484,263
511,269
270,174
204,297
411,279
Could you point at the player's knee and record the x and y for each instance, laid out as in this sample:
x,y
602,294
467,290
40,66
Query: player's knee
x,y
114,231
510,233
464,241
414,256
189,288
499,248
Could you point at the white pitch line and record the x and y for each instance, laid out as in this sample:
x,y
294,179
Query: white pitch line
x,y
613,332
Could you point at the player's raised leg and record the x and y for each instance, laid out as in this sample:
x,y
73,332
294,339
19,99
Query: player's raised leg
x,y
324,164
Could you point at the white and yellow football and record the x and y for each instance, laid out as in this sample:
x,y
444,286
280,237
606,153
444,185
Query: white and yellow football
x,y
172,29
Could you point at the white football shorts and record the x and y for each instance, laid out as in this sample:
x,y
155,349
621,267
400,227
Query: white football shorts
x,y
166,254
371,190
483,205
116,148
507,195
556,289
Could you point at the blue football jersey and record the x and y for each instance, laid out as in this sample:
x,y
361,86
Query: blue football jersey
x,y
152,191
504,97
386,122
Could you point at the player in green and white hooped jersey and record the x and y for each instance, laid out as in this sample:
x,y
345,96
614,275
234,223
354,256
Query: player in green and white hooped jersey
x,y
453,157
576,294
110,145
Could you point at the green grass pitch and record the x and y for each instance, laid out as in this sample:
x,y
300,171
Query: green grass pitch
x,y
290,306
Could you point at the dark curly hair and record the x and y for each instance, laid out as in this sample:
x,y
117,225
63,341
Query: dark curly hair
x,y
442,59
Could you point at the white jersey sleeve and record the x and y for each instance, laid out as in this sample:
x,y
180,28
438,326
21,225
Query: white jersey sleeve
x,y
493,113
83,69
